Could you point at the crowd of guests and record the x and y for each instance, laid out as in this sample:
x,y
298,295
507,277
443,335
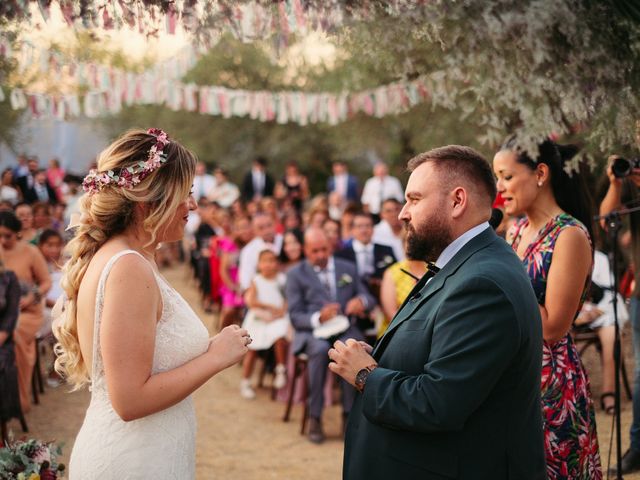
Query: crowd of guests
x,y
300,271
33,205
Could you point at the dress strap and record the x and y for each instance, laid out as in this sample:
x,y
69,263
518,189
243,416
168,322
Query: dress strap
x,y
97,357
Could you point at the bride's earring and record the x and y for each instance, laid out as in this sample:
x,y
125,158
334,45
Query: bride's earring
x,y
540,183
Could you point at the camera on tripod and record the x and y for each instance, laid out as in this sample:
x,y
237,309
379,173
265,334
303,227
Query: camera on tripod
x,y
622,167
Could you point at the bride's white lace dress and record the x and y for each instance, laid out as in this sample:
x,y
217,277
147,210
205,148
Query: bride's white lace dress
x,y
159,446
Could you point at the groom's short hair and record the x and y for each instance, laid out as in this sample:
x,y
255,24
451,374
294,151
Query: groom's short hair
x,y
457,163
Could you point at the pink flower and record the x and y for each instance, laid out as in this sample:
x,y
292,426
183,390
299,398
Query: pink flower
x,y
42,455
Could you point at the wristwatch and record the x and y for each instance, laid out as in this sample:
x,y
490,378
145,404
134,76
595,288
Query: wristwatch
x,y
361,376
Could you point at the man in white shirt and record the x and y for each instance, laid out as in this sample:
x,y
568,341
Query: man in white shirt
x,y
203,182
390,230
379,188
265,237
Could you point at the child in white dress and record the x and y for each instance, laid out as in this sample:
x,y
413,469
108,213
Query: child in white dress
x,y
267,320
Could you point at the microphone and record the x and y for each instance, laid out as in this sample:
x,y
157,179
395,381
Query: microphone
x,y
496,218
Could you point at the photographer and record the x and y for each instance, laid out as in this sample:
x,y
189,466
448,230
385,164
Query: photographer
x,y
624,192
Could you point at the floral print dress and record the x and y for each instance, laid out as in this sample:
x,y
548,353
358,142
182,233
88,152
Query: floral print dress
x,y
571,442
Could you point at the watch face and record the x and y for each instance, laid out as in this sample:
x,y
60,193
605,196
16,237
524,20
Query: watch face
x,y
361,377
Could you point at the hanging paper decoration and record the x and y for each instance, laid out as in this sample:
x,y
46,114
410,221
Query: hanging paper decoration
x,y
299,107
109,89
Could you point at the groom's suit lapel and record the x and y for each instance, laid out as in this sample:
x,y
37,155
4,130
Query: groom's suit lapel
x,y
423,291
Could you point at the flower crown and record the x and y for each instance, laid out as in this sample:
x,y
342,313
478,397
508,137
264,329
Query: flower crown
x,y
131,176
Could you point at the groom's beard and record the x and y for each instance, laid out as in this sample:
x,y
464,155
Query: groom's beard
x,y
429,240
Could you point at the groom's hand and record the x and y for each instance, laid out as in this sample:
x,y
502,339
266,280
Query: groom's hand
x,y
348,359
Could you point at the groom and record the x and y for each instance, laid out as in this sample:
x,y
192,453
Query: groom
x,y
452,390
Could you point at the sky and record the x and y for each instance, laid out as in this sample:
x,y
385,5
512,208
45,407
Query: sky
x,y
313,49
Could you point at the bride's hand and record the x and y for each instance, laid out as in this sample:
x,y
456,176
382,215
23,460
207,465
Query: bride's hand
x,y
229,346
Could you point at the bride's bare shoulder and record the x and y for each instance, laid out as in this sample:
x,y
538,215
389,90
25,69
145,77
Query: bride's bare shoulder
x,y
131,271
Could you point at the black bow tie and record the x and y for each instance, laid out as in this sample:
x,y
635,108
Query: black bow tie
x,y
432,269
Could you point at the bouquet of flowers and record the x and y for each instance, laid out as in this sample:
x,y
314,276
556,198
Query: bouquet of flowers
x,y
30,460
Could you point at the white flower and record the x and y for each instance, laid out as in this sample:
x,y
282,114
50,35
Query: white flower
x,y
345,279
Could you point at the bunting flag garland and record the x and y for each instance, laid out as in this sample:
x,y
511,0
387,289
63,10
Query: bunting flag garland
x,y
109,88
298,107
92,75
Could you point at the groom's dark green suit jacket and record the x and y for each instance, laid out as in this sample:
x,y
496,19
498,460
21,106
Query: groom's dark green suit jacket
x,y
457,390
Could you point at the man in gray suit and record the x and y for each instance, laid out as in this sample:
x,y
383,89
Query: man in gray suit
x,y
452,389
318,290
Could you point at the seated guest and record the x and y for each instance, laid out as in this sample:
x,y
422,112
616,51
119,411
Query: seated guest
x,y
324,294
229,248
9,309
390,230
292,252
332,230
317,217
265,237
8,190
291,219
266,321
225,193
371,259
28,233
346,223
397,282
51,243
269,205
30,267
41,216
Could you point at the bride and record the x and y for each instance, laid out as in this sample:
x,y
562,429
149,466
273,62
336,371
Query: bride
x,y
124,329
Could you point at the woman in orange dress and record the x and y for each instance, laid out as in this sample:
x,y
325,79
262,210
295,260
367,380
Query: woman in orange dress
x,y
31,269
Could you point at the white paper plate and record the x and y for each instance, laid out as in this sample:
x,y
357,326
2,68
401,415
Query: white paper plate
x,y
332,327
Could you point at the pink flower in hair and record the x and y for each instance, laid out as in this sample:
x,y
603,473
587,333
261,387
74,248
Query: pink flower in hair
x,y
130,176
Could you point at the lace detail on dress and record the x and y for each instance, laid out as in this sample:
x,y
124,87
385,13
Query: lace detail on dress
x,y
161,445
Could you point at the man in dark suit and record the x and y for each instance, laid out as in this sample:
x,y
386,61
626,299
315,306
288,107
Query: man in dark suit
x,y
452,389
343,183
318,290
26,182
257,183
371,259
43,190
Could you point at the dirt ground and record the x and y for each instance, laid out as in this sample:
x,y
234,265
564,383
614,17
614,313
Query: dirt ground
x,y
246,440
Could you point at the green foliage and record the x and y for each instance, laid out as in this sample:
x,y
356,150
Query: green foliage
x,y
569,67
11,119
493,68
